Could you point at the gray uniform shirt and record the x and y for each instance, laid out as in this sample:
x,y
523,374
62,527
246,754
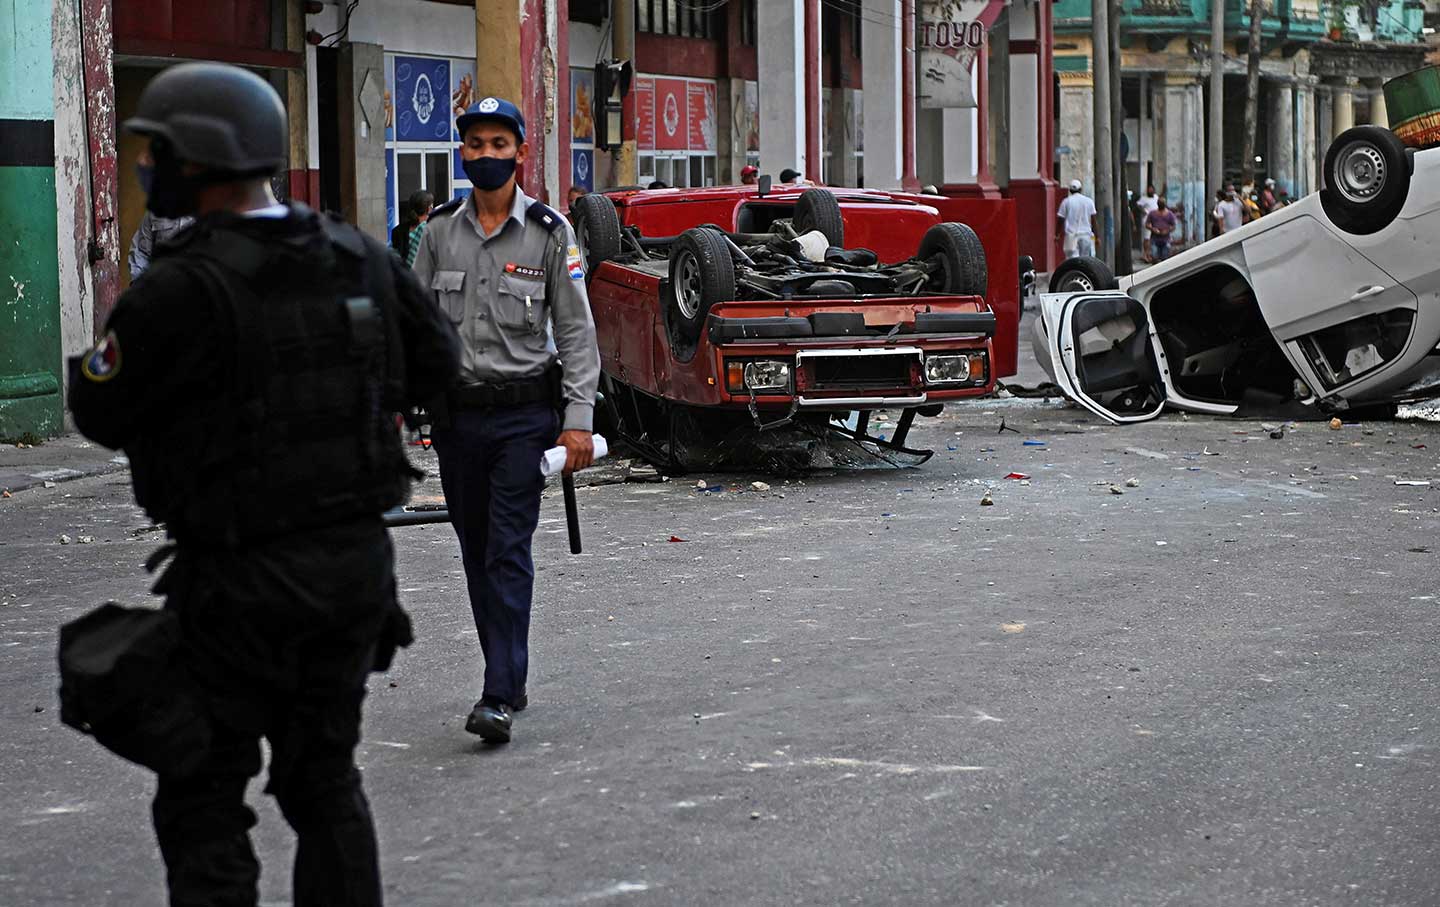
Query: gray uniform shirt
x,y
502,291
152,231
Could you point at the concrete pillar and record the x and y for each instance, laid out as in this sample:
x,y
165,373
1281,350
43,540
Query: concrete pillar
x,y
997,120
880,73
1305,139
781,53
1077,159
838,140
498,69
1324,118
1379,115
1185,154
362,137
72,185
1345,104
1280,159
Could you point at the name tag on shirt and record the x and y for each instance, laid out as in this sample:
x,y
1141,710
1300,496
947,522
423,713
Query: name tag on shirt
x,y
523,271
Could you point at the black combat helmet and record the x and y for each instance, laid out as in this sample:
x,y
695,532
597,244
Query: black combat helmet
x,y
223,118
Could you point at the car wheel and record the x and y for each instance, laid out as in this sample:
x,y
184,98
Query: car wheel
x,y
597,229
818,209
1367,176
962,270
701,274
1082,275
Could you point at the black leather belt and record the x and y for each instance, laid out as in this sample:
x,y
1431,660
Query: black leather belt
x,y
542,388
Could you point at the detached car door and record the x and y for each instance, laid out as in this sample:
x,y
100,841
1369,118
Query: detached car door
x,y
1101,354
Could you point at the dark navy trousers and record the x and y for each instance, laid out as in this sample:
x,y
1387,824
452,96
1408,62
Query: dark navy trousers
x,y
490,470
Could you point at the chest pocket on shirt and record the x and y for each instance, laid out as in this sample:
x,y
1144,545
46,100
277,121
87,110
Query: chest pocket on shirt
x,y
449,287
520,304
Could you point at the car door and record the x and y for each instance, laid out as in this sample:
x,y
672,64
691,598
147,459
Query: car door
x,y
1338,314
1101,354
1306,276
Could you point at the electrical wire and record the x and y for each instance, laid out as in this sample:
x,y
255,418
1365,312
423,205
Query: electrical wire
x,y
344,30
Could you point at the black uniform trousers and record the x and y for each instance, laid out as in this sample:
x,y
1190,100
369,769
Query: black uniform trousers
x,y
281,639
490,470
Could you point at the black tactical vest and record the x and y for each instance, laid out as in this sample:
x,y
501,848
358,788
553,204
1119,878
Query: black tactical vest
x,y
304,433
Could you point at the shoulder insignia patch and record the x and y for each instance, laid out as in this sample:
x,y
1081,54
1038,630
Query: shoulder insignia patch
x,y
103,362
573,264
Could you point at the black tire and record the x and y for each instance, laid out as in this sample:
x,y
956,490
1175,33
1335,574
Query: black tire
x,y
1367,177
597,230
818,209
1082,275
962,257
701,274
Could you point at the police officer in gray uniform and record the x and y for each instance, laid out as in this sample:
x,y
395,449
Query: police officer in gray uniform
x,y
504,266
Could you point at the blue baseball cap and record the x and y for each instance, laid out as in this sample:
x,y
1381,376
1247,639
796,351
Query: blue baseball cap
x,y
497,109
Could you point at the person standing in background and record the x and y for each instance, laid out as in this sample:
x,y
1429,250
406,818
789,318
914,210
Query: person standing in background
x,y
1147,203
421,204
1076,219
153,230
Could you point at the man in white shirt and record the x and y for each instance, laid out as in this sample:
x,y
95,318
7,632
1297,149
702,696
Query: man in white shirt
x,y
1146,203
1228,212
1076,218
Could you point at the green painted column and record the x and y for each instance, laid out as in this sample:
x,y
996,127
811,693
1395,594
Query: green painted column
x,y
31,403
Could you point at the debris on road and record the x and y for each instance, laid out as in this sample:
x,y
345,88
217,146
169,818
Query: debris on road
x,y
1015,627
1033,443
759,486
987,501
64,539
1132,483
1017,475
1116,489
1336,424
1416,482
676,538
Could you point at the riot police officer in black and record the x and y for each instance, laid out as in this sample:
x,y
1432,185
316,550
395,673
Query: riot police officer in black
x,y
251,375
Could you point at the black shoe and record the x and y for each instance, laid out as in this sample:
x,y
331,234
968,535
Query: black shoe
x,y
490,721
521,702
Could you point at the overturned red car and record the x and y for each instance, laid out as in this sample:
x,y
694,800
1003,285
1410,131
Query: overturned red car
x,y
725,315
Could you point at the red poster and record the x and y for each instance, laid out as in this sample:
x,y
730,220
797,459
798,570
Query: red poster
x,y
644,99
700,100
672,130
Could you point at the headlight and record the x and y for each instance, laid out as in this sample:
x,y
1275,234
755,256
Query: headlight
x,y
761,375
968,368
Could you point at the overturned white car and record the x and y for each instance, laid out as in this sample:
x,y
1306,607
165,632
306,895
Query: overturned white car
x,y
1332,303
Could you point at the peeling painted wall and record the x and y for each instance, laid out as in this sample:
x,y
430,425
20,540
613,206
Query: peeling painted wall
x,y
72,183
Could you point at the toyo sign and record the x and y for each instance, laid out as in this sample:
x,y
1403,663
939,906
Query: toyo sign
x,y
951,33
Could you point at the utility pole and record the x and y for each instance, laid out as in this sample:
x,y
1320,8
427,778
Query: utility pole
x,y
1123,265
1104,161
622,47
1215,154
1252,92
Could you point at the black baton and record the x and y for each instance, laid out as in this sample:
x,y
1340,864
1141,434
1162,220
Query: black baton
x,y
572,511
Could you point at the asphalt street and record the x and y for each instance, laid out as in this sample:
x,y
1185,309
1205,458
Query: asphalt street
x,y
1214,684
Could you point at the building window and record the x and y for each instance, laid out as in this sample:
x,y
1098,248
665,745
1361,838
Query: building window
x,y
683,18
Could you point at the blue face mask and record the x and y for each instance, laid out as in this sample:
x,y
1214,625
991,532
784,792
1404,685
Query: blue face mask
x,y
489,173
146,176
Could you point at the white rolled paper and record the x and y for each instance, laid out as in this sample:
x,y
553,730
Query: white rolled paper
x,y
553,463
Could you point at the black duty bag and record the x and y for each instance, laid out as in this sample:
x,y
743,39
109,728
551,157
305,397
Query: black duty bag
x,y
122,681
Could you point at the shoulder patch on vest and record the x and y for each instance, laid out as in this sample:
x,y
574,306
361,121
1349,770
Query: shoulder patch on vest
x,y
103,362
546,216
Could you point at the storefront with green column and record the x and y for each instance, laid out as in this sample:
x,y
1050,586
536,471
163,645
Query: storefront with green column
x,y
31,400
